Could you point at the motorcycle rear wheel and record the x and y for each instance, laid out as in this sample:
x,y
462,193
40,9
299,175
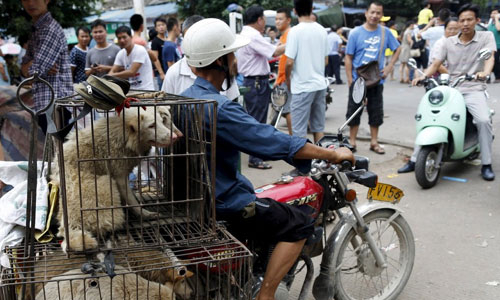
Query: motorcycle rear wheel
x,y
426,173
358,276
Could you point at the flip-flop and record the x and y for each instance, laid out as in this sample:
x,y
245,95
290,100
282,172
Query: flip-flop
x,y
354,149
260,165
377,149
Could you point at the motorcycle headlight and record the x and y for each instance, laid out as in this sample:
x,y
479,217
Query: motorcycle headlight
x,y
436,97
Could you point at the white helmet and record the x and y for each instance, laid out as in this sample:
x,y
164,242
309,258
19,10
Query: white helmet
x,y
209,39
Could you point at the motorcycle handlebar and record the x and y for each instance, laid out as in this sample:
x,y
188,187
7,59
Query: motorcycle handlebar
x,y
345,165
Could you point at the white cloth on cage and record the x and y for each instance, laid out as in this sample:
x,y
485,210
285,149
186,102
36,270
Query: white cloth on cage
x,y
13,203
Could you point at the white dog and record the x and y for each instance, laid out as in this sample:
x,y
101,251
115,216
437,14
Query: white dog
x,y
97,188
73,285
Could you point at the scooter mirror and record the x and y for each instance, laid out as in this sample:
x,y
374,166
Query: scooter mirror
x,y
484,54
358,90
412,63
279,97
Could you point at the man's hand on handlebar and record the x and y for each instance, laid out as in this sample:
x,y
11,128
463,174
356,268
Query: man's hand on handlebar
x,y
482,76
342,154
417,80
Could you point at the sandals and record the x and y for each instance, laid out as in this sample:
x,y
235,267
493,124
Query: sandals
x,y
377,149
260,165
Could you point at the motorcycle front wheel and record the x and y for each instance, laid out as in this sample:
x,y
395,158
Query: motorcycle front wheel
x,y
426,172
357,275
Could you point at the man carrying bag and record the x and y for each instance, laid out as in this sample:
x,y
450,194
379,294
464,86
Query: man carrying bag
x,y
364,51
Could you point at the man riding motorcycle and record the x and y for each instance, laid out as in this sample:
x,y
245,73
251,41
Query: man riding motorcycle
x,y
457,51
209,46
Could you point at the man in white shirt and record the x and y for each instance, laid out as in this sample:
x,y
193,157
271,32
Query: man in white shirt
x,y
307,51
254,66
334,60
179,76
434,30
132,62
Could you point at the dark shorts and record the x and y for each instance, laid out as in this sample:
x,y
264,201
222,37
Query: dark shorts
x,y
375,106
272,222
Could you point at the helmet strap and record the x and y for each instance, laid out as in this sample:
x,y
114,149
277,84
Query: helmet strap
x,y
224,68
228,75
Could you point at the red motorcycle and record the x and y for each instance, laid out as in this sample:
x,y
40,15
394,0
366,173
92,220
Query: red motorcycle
x,y
370,251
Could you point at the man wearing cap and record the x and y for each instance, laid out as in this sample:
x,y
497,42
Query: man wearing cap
x,y
132,62
209,46
254,66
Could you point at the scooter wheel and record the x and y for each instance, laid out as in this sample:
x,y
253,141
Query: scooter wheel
x,y
426,172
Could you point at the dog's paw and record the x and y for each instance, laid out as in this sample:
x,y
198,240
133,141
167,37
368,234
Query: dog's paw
x,y
146,214
79,241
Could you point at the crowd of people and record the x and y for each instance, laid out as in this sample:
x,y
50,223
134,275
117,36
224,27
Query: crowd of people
x,y
307,54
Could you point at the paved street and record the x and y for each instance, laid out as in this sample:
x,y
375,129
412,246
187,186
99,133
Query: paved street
x,y
456,225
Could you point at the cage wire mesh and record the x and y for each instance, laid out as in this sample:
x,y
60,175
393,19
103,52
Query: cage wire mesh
x,y
112,179
135,191
219,269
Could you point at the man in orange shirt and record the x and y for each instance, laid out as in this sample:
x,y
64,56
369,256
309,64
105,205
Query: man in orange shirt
x,y
283,19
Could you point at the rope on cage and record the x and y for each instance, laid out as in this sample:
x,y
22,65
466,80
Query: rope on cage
x,y
126,104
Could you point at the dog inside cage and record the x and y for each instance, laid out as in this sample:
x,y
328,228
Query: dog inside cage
x,y
98,161
135,217
218,270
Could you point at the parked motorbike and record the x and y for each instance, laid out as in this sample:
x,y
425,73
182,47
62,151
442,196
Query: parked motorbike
x,y
445,129
369,254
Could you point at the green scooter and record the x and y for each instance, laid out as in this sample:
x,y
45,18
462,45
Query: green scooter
x,y
445,129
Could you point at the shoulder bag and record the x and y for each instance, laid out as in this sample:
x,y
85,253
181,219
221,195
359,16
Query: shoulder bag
x,y
371,71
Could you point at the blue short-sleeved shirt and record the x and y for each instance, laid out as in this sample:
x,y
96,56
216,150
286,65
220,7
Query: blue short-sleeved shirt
x,y
77,59
238,131
364,46
169,53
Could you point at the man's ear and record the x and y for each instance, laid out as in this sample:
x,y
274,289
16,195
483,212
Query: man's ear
x,y
220,61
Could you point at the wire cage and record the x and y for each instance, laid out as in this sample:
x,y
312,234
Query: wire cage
x,y
112,180
136,212
219,269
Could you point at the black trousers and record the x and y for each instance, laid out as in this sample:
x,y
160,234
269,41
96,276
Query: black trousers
x,y
333,67
496,67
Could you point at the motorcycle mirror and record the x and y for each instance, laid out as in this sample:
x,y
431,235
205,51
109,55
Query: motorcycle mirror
x,y
358,90
484,54
412,63
279,97
358,95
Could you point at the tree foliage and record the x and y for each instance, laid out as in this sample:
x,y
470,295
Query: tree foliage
x,y
69,13
217,8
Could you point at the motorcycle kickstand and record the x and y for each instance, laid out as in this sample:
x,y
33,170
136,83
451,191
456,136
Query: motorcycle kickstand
x,y
364,232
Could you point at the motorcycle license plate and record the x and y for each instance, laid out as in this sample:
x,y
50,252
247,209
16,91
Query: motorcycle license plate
x,y
385,192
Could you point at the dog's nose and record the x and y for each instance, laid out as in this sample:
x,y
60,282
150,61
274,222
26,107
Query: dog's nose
x,y
178,133
174,137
